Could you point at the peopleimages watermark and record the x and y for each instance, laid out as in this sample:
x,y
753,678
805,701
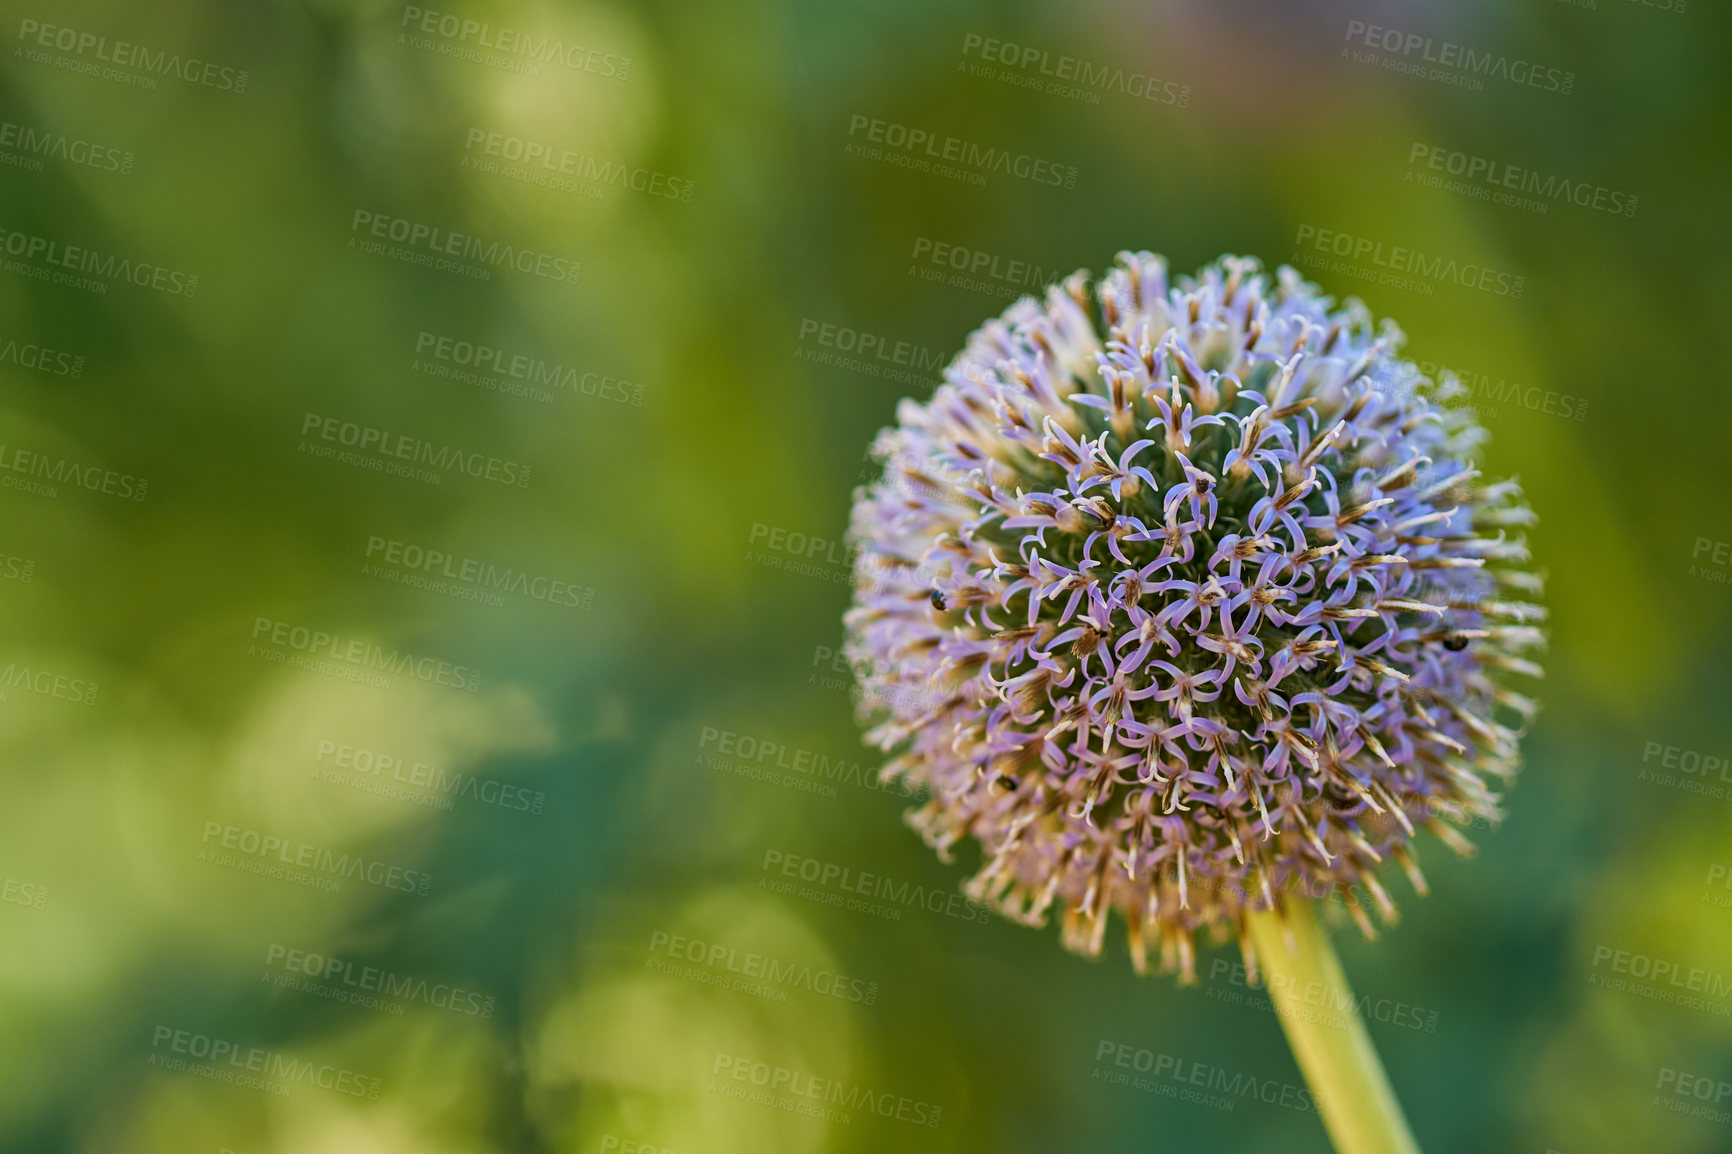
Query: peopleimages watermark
x,y
1719,556
871,354
1695,1095
749,972
41,359
399,454
1719,877
87,269
353,658
562,170
1675,7
1446,61
445,250
1312,1001
1433,166
512,49
829,669
952,157
121,61
807,554
40,474
19,569
254,1067
317,867
1485,394
46,683
1025,66
976,270
1691,770
466,578
1661,980
860,891
614,1144
1396,265
22,146
417,782
798,1092
1188,1080
515,373
776,762
30,895
370,987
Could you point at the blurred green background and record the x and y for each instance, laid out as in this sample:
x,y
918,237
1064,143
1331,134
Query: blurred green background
x,y
254,900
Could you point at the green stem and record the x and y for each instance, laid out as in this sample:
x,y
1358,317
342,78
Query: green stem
x,y
1328,1037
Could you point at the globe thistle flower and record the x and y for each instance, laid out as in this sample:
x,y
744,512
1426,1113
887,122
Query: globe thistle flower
x,y
1187,597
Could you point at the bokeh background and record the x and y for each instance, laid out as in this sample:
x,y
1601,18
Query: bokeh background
x,y
607,791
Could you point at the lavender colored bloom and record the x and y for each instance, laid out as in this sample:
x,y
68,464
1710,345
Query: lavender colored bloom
x,y
1183,619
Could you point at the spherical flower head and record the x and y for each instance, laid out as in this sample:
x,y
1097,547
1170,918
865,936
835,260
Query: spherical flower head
x,y
1186,599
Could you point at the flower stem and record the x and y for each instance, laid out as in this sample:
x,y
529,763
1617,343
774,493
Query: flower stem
x,y
1334,1052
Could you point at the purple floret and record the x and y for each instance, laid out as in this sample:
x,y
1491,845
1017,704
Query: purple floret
x,y
1188,618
